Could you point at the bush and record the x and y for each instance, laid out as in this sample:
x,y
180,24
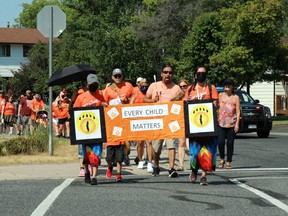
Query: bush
x,y
32,144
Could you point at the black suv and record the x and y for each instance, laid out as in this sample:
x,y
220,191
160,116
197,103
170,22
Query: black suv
x,y
254,116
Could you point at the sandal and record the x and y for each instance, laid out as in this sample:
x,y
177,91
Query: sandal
x,y
228,165
221,164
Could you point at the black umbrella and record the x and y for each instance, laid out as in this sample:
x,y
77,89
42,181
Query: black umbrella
x,y
70,74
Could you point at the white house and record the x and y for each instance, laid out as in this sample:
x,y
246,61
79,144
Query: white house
x,y
272,94
14,46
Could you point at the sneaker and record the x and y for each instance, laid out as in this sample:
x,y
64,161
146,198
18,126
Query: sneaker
x,y
192,177
203,181
149,168
173,173
156,171
127,160
136,160
140,165
82,172
94,181
119,178
87,178
109,173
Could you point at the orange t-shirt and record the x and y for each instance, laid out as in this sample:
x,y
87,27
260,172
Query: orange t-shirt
x,y
36,105
54,110
136,89
165,94
2,104
88,99
139,97
201,93
63,112
125,90
9,109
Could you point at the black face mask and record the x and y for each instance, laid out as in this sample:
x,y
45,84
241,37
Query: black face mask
x,y
201,77
93,87
143,89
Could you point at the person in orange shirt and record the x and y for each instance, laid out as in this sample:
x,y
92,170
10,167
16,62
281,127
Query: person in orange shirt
x,y
2,106
36,105
91,152
118,92
9,115
54,116
138,97
62,113
201,90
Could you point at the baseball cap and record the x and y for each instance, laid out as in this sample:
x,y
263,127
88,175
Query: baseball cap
x,y
117,71
28,92
92,78
139,79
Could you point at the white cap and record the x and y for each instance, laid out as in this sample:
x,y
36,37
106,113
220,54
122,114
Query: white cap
x,y
139,79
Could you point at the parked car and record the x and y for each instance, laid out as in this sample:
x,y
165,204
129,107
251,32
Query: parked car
x,y
254,117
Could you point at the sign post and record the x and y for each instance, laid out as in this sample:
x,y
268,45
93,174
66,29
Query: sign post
x,y
51,22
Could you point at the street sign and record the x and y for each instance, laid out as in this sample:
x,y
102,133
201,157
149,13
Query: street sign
x,y
44,22
51,22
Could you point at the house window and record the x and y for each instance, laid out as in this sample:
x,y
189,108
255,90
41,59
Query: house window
x,y
5,50
26,49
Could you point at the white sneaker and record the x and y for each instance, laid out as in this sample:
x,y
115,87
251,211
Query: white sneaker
x,y
149,168
140,165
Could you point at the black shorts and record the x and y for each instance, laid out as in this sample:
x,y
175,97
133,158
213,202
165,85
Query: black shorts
x,y
115,153
62,121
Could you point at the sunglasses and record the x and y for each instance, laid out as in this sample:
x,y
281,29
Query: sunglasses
x,y
117,76
167,72
183,86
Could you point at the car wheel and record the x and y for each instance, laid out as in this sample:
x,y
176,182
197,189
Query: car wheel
x,y
263,134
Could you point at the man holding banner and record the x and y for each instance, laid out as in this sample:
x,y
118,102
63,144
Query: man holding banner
x,y
163,91
119,92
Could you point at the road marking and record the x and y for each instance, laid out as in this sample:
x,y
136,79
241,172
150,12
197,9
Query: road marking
x,y
270,199
263,177
44,206
252,169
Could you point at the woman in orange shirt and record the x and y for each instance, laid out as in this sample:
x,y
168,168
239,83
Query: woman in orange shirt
x,y
9,114
201,90
62,112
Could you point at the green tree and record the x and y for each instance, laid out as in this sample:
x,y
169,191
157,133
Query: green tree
x,y
252,41
204,40
28,16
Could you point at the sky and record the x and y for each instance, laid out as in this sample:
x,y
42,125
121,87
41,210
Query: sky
x,y
10,10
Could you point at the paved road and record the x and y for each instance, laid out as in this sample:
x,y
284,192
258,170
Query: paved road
x,y
257,185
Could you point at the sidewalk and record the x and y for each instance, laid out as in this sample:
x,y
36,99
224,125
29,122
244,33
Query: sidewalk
x,y
71,170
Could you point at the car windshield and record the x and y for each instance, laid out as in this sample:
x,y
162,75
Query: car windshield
x,y
245,97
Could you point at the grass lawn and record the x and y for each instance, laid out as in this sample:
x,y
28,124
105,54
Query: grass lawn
x,y
63,152
280,120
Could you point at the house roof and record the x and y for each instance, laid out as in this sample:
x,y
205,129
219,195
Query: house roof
x,y
21,36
